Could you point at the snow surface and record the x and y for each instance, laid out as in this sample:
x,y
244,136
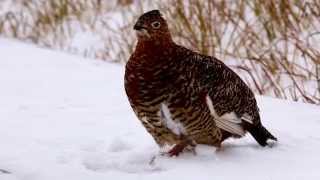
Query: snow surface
x,y
63,118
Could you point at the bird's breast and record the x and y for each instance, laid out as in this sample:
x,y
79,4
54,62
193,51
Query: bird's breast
x,y
145,86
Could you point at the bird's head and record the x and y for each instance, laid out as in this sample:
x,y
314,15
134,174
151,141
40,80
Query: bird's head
x,y
151,26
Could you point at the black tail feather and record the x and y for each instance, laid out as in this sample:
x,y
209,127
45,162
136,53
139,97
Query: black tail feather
x,y
261,134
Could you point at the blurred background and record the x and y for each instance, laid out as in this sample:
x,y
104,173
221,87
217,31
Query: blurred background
x,y
274,45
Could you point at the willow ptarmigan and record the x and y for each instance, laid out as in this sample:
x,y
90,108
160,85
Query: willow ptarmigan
x,y
184,98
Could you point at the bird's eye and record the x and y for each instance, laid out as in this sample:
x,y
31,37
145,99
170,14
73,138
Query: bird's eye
x,y
155,25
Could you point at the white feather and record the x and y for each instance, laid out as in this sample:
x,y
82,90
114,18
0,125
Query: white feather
x,y
174,125
247,118
228,121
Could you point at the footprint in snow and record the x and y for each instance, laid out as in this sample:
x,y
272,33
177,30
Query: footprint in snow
x,y
128,161
119,145
122,156
2,171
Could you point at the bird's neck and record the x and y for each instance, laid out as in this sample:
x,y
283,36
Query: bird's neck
x,y
154,48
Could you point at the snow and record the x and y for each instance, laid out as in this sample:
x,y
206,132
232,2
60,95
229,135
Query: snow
x,y
64,117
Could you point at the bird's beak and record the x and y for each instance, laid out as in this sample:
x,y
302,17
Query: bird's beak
x,y
138,26
141,30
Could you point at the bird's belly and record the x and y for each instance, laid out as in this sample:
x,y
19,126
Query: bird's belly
x,y
194,123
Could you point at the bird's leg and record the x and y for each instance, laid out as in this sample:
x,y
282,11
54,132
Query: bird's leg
x,y
179,147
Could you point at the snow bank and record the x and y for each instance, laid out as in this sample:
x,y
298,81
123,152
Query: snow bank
x,y
64,117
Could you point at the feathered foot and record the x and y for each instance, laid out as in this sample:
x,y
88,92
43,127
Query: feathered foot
x,y
177,149
185,145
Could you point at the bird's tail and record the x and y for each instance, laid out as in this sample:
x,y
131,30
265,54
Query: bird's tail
x,y
261,134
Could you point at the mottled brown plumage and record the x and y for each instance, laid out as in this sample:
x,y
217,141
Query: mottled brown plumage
x,y
184,98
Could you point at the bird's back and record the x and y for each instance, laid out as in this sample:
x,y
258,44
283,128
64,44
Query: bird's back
x,y
206,74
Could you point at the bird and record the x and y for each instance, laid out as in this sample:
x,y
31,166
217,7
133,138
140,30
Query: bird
x,y
184,98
